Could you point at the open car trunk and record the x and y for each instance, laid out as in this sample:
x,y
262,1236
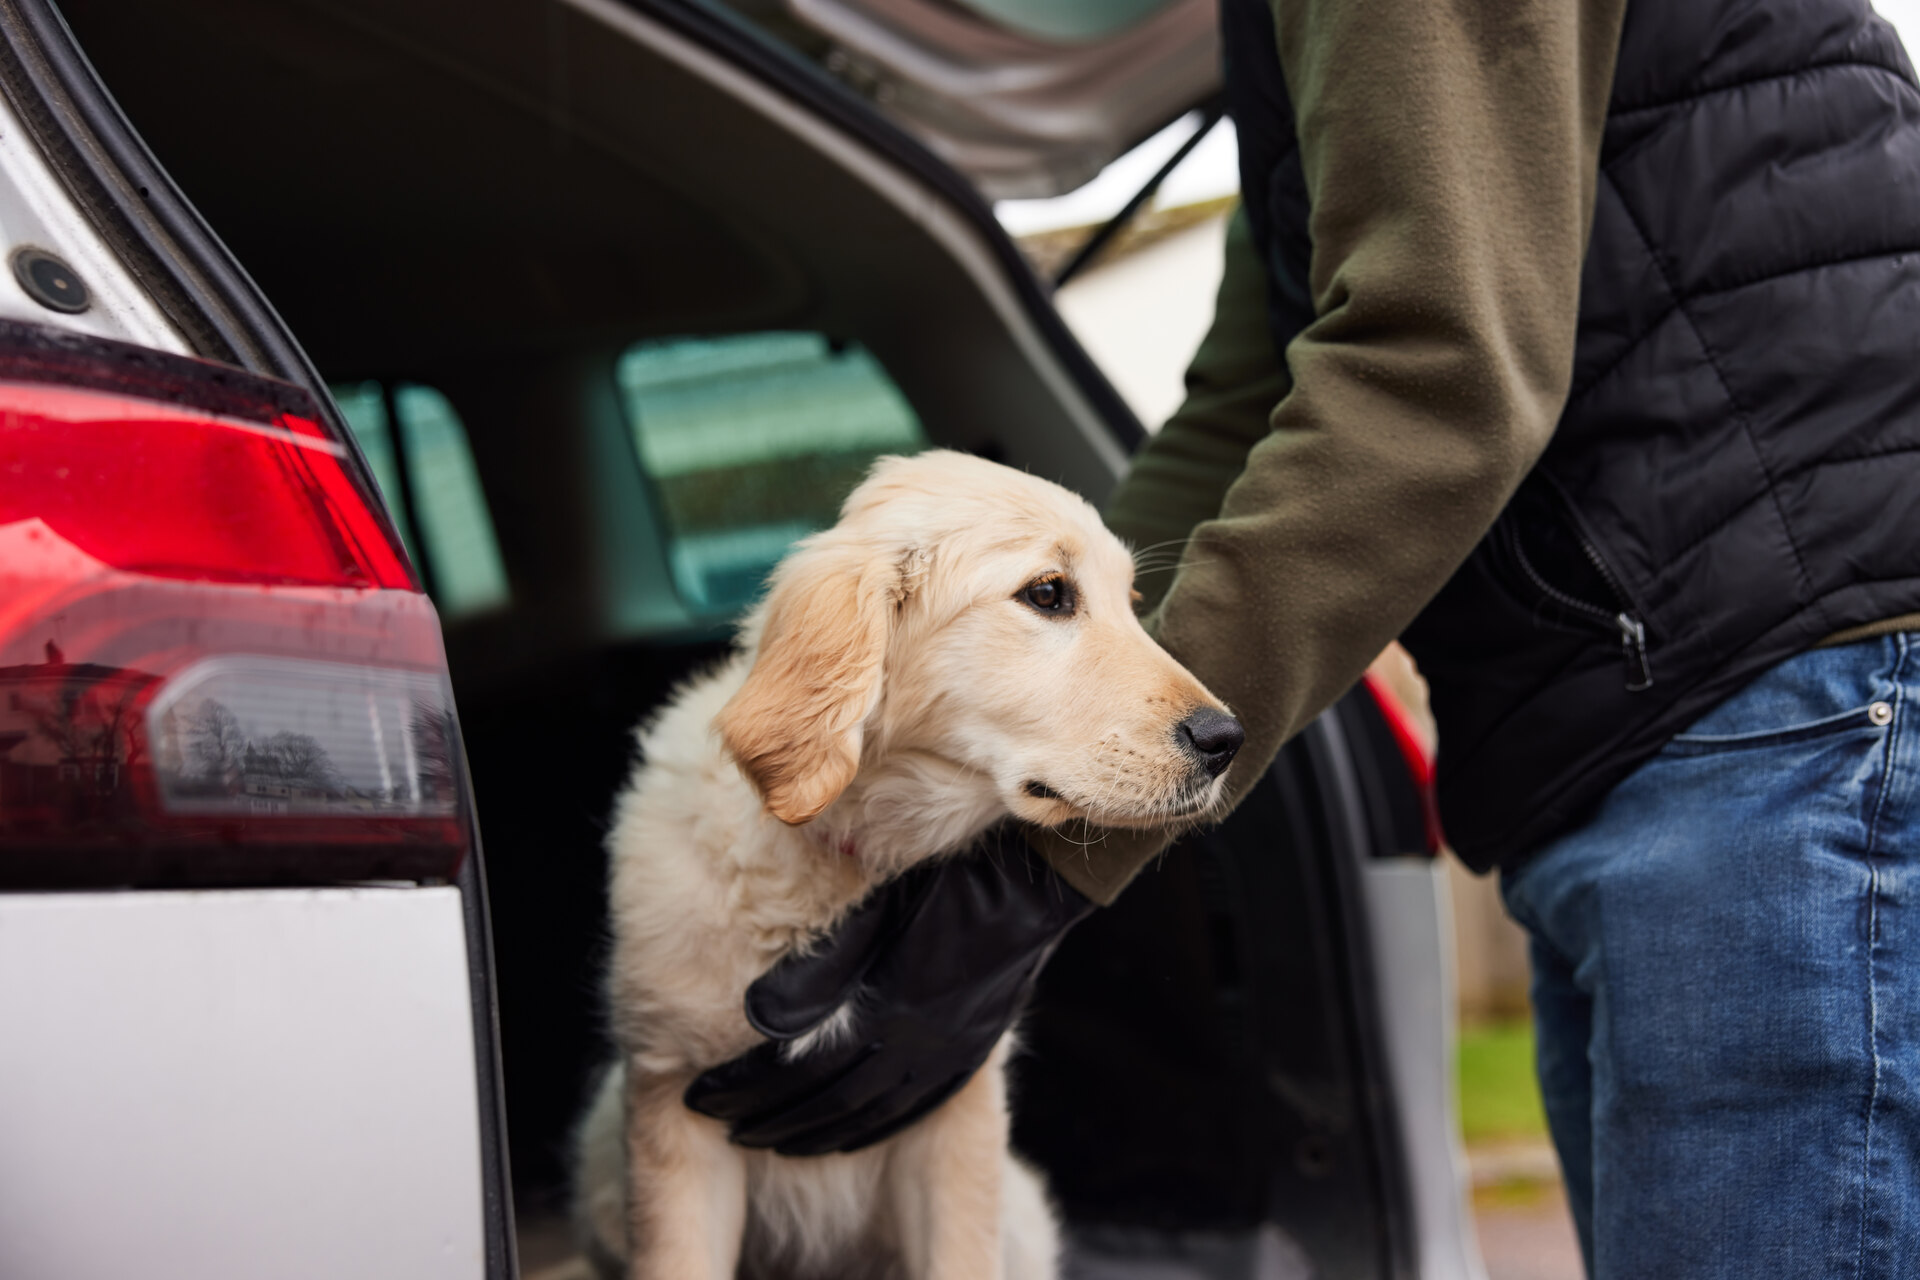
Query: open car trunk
x,y
1029,98
620,299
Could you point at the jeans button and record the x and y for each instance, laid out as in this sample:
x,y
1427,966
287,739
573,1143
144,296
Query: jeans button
x,y
1881,713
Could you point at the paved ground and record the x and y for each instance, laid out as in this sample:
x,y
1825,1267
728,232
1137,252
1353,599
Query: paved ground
x,y
546,1249
1527,1235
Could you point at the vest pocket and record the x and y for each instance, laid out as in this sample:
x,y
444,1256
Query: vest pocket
x,y
1548,560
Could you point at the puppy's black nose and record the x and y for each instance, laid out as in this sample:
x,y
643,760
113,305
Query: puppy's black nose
x,y
1212,737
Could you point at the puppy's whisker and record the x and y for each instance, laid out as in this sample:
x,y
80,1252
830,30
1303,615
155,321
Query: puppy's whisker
x,y
1171,568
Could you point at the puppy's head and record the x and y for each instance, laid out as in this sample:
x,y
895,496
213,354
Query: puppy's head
x,y
972,614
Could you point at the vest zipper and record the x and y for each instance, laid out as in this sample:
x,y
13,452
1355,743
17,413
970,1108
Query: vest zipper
x,y
1632,631
1633,643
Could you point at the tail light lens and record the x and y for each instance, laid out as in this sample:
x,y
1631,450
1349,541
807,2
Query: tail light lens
x,y
215,663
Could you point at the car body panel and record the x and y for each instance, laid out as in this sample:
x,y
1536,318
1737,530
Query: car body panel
x,y
1410,934
238,1083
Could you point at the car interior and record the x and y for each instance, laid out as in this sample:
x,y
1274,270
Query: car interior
x,y
614,321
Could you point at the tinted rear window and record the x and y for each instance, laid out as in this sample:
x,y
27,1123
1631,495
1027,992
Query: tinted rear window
x,y
752,441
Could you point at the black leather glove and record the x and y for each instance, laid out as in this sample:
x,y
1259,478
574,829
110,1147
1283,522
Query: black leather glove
x,y
937,962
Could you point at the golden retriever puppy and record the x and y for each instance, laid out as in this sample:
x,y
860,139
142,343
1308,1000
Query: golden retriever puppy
x,y
961,646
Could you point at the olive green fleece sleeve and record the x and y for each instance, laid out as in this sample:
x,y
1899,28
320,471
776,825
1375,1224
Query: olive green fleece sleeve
x,y
1451,157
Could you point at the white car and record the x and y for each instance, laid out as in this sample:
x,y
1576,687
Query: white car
x,y
367,472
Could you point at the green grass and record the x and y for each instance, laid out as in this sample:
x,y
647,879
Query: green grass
x,y
1499,1097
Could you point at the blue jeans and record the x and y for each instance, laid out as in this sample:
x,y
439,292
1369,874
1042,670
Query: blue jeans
x,y
1726,986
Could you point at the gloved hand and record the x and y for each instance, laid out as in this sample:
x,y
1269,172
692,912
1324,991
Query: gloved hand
x,y
937,963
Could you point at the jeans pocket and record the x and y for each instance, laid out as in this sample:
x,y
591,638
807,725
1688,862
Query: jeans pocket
x,y
1873,715
1818,694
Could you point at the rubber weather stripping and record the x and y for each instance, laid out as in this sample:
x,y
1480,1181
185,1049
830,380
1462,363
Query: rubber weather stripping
x,y
1210,115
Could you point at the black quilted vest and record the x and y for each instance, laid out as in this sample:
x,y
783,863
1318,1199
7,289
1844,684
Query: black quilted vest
x,y
1736,476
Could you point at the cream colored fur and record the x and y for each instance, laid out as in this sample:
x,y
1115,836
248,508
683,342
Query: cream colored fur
x,y
892,697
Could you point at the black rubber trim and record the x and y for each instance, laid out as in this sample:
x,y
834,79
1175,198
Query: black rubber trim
x,y
1211,113
732,38
1331,757
59,357
496,1182
52,864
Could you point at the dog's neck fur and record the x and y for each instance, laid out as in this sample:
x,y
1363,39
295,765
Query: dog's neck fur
x,y
791,882
905,808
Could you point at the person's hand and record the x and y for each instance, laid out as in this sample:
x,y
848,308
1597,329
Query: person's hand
x,y
909,994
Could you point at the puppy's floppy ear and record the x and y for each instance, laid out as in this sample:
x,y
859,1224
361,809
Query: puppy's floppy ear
x,y
795,726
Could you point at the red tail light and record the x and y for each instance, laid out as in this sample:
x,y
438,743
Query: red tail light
x,y
215,664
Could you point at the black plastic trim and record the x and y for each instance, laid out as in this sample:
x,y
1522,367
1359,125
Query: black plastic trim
x,y
40,353
496,1183
213,864
807,86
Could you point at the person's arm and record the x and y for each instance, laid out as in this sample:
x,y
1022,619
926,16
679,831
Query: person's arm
x,y
1451,157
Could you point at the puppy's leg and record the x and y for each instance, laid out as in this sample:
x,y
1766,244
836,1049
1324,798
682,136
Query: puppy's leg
x,y
687,1187
600,1193
944,1178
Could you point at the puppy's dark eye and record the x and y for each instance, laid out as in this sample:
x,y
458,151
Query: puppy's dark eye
x,y
1049,595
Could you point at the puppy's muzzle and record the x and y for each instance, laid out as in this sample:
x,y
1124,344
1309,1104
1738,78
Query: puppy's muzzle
x,y
1212,738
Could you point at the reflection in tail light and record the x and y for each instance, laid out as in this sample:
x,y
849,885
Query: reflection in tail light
x,y
283,736
215,665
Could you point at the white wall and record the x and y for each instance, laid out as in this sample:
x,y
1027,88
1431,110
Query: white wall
x,y
1904,15
1140,318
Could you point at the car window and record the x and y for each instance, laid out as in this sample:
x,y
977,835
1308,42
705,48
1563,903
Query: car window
x,y
752,441
428,460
